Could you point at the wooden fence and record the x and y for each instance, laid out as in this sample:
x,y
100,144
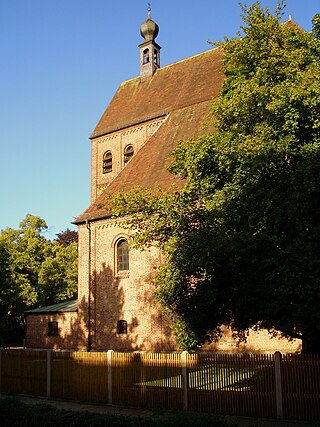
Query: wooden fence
x,y
270,386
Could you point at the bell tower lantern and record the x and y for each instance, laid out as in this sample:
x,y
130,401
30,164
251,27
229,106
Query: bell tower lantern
x,y
149,49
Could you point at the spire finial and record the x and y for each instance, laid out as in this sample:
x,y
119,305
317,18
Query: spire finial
x,y
290,17
149,29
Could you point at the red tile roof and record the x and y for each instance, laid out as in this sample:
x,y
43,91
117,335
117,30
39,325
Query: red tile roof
x,y
178,85
183,92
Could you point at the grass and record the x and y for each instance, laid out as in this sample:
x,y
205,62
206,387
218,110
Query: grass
x,y
15,413
214,377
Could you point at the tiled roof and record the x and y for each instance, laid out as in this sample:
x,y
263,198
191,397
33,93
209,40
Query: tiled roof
x,y
182,92
62,307
178,85
148,167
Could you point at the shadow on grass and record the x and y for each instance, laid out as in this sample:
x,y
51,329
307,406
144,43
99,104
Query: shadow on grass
x,y
16,413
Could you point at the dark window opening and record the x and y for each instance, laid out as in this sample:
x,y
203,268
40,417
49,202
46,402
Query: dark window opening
x,y
146,56
107,162
128,153
122,327
53,329
155,57
122,256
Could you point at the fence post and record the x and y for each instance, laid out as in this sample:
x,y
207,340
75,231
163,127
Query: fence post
x,y
277,368
185,382
49,372
109,361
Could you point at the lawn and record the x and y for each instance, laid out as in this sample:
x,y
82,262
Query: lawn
x,y
16,413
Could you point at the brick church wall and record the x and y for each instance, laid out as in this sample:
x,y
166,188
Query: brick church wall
x,y
115,297
116,142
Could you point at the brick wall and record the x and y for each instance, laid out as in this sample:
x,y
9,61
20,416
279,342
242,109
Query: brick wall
x,y
257,342
115,297
116,143
37,330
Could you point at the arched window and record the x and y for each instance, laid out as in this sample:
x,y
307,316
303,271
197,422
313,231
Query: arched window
x,y
146,56
122,327
128,153
122,256
107,162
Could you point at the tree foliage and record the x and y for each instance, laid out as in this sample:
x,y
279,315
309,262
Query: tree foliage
x,y
242,237
316,25
67,237
34,272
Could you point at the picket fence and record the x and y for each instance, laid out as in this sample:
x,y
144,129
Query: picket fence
x,y
270,386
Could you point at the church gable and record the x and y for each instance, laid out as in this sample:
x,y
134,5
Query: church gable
x,y
187,82
148,168
113,152
149,116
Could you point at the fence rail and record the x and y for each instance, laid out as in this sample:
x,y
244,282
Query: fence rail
x,y
271,386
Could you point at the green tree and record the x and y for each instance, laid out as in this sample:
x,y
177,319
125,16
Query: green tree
x,y
242,237
34,272
316,25
58,274
8,295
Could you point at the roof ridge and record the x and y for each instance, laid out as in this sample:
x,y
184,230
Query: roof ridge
x,y
71,305
171,64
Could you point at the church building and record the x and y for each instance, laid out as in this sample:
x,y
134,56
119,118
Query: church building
x,y
131,146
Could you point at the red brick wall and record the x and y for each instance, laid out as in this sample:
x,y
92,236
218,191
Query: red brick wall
x,y
116,142
37,330
115,297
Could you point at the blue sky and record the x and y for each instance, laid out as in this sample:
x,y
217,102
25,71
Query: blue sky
x,y
61,63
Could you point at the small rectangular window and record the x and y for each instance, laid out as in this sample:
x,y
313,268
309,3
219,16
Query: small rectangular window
x,y
122,327
53,329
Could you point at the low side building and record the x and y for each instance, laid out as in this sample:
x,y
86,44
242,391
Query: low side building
x,y
53,327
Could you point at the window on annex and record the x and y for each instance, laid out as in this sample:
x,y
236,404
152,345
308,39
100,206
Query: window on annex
x,y
122,327
107,162
122,256
128,153
53,329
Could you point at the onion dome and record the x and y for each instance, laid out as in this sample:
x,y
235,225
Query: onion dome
x,y
149,29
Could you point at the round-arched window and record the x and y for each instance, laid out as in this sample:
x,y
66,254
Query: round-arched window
x,y
107,162
122,255
128,153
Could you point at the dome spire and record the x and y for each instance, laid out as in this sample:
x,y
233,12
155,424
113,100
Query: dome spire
x,y
149,49
149,29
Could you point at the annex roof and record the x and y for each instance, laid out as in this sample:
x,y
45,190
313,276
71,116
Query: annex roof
x,y
62,307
